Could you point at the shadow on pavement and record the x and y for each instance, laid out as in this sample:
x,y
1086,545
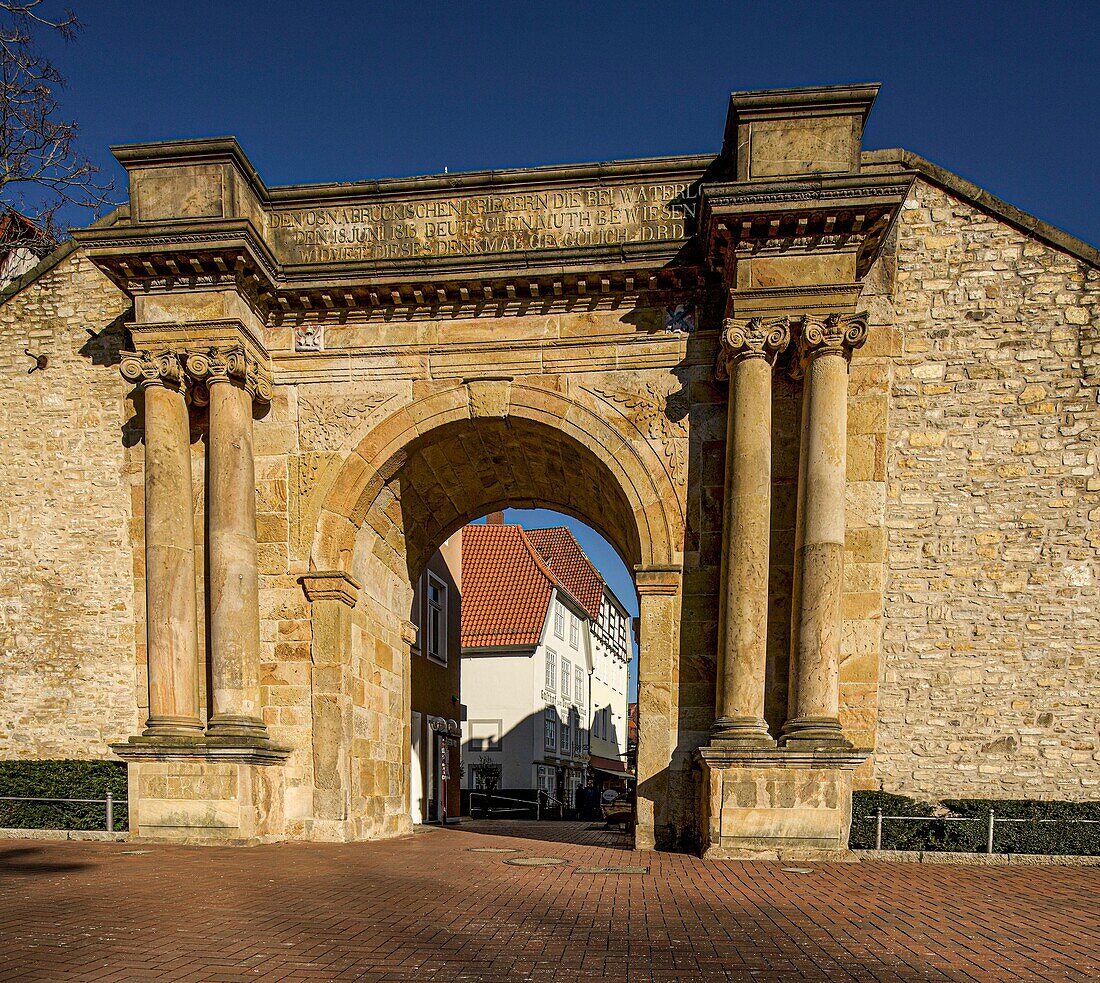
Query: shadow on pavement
x,y
21,860
552,831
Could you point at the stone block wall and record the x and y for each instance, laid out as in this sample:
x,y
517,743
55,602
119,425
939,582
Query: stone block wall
x,y
67,572
992,618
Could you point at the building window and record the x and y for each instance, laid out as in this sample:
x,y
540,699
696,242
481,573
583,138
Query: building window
x,y
574,631
550,725
551,669
566,675
547,779
566,743
577,749
559,621
578,691
437,619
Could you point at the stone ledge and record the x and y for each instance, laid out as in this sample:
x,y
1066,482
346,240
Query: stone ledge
x,y
93,835
715,755
240,750
977,859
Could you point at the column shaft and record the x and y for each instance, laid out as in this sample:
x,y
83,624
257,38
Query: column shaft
x,y
744,643
234,584
170,604
819,551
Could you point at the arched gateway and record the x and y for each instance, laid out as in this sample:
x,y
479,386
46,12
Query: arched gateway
x,y
707,359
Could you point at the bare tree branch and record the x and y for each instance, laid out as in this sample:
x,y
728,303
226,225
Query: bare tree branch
x,y
41,169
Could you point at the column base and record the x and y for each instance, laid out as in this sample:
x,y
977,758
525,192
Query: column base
x,y
205,791
806,733
236,725
164,725
741,732
769,803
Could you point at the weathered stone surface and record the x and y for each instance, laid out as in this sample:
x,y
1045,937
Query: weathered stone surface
x,y
961,541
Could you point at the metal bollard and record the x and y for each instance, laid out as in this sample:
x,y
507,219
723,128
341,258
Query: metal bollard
x,y
110,812
878,829
989,838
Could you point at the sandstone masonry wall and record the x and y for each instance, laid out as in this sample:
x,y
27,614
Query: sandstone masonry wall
x,y
67,604
992,618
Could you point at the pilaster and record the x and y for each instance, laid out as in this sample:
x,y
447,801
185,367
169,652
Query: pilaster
x,y
333,595
658,673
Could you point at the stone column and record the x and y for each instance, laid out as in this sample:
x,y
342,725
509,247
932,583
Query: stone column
x,y
658,670
825,350
749,349
171,622
233,587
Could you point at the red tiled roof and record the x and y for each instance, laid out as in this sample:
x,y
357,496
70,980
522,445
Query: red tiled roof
x,y
569,564
508,574
506,587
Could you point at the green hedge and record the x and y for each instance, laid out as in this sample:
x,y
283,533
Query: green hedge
x,y
62,780
1027,837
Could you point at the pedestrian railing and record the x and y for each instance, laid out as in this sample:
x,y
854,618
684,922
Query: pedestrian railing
x,y
109,802
990,823
525,805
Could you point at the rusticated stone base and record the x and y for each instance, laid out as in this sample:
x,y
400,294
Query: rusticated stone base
x,y
205,793
768,803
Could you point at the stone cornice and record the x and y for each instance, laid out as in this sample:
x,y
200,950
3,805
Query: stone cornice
x,y
753,337
330,585
658,580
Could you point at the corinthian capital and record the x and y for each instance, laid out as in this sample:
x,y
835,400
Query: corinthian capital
x,y
831,334
161,368
234,364
754,337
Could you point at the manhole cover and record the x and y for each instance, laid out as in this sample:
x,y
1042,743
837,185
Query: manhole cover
x,y
491,849
536,861
611,870
796,870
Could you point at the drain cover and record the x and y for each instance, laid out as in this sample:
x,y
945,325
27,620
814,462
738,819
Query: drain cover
x,y
611,870
536,861
796,870
135,853
491,849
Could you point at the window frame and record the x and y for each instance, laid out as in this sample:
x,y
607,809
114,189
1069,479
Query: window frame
x,y
431,608
550,722
551,678
559,620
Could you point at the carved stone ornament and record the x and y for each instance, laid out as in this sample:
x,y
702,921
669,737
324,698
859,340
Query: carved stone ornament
x,y
754,337
153,369
831,334
234,364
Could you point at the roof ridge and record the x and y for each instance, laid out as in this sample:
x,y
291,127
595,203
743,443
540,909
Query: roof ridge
x,y
545,567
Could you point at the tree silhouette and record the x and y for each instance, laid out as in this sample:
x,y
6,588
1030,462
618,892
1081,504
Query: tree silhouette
x,y
42,170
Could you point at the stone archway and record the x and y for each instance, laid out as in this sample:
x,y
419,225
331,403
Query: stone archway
x,y
560,310
415,478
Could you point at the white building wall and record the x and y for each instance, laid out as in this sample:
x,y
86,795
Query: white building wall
x,y
507,693
611,652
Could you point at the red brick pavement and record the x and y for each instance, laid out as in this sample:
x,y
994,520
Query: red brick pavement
x,y
429,908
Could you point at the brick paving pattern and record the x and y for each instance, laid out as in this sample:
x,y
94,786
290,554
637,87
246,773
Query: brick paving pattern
x,y
428,907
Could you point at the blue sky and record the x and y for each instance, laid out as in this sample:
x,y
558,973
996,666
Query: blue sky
x,y
1004,93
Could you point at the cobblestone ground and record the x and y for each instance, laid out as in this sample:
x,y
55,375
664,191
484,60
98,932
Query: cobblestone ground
x,y
434,906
